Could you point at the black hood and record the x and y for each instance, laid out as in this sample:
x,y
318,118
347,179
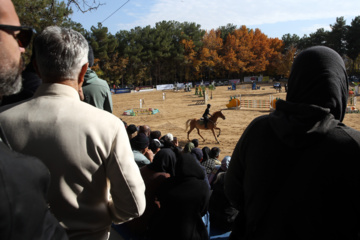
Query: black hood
x,y
318,77
316,99
164,161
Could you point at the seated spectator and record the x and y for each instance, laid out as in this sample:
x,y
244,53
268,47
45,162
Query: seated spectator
x,y
155,134
140,146
214,155
183,201
167,141
188,147
170,137
131,131
222,214
154,174
198,156
206,151
176,144
197,153
195,142
155,145
145,129
208,163
219,168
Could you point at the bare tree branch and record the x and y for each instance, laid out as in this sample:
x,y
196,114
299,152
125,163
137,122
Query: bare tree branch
x,y
84,6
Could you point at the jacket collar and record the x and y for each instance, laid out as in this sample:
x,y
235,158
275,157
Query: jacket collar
x,y
53,89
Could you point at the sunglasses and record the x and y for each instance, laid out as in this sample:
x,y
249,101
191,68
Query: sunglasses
x,y
23,35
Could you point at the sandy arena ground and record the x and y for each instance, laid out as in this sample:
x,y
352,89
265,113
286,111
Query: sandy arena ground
x,y
180,106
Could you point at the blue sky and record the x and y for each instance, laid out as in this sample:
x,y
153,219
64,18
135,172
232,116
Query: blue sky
x,y
273,17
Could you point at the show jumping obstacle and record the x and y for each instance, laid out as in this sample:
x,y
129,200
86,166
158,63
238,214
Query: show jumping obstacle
x,y
236,102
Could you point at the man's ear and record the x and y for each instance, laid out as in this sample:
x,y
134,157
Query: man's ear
x,y
82,74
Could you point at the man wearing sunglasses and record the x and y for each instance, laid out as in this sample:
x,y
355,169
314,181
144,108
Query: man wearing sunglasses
x,y
24,180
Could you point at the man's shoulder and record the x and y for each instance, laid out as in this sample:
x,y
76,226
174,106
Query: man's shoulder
x,y
98,82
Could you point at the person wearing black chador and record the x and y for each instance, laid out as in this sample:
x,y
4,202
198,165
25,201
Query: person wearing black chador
x,y
206,115
183,201
311,190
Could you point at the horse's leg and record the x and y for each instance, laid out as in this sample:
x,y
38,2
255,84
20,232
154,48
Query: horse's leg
x,y
215,135
188,133
200,134
219,131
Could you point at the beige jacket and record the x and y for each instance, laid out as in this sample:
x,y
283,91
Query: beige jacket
x,y
86,150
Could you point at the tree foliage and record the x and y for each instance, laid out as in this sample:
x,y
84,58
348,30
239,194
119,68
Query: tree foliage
x,y
173,52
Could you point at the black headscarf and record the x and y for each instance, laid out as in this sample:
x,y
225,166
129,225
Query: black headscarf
x,y
318,77
206,151
164,161
188,167
316,99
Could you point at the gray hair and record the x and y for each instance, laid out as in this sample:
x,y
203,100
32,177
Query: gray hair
x,y
60,53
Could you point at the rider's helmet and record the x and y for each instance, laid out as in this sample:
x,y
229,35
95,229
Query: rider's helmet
x,y
208,105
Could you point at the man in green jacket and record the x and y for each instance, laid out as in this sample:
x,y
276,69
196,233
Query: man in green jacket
x,y
96,91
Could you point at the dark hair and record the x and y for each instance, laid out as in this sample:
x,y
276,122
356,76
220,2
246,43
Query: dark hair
x,y
131,129
155,134
139,142
206,152
195,142
214,152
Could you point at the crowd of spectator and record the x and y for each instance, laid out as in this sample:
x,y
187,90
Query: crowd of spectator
x,y
184,188
70,169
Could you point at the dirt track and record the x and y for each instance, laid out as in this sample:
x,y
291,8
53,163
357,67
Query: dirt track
x,y
181,106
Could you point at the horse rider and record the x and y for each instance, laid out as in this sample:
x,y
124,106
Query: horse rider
x,y
205,115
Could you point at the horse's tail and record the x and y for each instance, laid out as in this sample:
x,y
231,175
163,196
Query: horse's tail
x,y
187,125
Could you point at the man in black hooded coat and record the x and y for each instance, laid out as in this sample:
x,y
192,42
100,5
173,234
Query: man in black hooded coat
x,y
311,190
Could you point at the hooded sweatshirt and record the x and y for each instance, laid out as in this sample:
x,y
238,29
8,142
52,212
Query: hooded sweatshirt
x,y
96,91
293,173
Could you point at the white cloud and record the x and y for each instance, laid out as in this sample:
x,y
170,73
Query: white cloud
x,y
313,28
214,13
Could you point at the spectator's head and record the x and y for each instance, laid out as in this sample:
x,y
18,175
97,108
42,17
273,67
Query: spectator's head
x,y
197,152
175,141
155,134
206,152
318,77
214,152
145,129
155,145
188,147
170,137
225,163
167,140
13,41
187,167
140,142
164,161
195,142
61,55
131,131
